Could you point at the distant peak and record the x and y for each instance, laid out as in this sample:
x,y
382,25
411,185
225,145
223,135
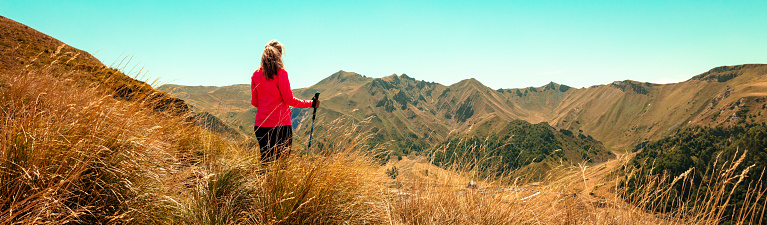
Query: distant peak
x,y
554,86
725,73
391,77
635,86
342,76
344,73
551,85
624,81
469,82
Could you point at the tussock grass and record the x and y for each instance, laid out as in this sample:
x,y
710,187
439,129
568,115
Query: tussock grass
x,y
341,188
72,153
710,204
333,185
442,197
222,198
334,182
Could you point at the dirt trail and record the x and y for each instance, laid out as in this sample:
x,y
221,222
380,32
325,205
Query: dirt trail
x,y
592,184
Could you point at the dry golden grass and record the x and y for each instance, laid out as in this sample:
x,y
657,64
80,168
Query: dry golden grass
x,y
71,153
335,185
424,194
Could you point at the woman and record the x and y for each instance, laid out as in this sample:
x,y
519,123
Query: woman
x,y
272,96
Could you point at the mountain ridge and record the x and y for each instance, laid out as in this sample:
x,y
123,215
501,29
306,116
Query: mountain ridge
x,y
621,113
24,49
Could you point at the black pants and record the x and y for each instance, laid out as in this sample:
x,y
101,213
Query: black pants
x,y
274,141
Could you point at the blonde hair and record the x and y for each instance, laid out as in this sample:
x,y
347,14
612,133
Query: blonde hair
x,y
271,59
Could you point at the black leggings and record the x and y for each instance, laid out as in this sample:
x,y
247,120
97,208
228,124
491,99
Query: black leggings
x,y
274,141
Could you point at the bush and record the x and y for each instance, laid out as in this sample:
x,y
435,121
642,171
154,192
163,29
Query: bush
x,y
392,172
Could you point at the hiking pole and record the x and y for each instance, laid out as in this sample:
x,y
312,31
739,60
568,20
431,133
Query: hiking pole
x,y
314,105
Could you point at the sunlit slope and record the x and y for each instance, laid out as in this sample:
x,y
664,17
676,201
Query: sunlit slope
x,y
624,113
25,49
83,143
537,104
230,105
216,100
89,145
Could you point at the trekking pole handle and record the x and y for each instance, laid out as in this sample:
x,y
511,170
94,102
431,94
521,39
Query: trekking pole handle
x,y
314,103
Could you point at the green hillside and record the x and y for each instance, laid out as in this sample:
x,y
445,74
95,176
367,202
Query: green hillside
x,y
704,151
517,145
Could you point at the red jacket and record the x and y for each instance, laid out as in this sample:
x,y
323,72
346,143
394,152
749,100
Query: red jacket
x,y
272,98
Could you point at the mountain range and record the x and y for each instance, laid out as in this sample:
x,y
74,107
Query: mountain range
x,y
621,114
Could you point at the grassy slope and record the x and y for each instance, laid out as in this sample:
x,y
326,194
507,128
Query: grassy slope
x,y
78,138
75,149
227,108
216,100
622,118
26,49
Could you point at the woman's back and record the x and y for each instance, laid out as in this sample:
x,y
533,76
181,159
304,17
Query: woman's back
x,y
273,97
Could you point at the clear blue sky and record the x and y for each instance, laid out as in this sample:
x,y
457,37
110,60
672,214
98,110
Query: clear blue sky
x,y
504,44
